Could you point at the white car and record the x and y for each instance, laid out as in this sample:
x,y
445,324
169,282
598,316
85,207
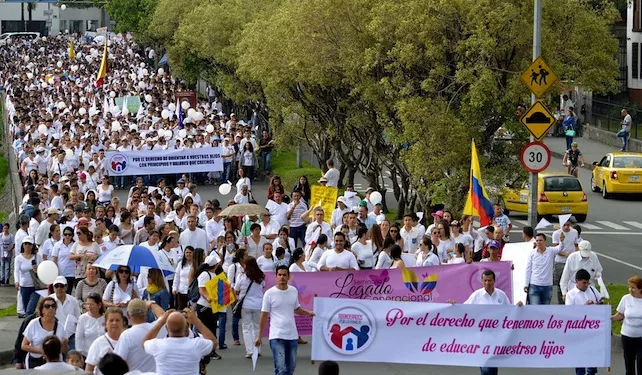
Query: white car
x,y
20,35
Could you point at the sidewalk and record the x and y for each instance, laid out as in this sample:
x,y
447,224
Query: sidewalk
x,y
592,150
9,326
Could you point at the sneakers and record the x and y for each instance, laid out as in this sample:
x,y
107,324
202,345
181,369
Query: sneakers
x,y
248,356
216,356
237,342
223,346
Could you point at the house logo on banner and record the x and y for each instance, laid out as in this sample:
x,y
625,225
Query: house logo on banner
x,y
411,281
118,163
350,330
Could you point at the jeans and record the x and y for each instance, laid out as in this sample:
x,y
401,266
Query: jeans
x,y
29,298
585,371
298,233
569,140
250,321
227,172
540,295
632,348
488,370
625,138
222,325
267,159
558,269
5,269
284,353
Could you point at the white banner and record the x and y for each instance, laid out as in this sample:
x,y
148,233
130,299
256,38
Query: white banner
x,y
137,163
553,336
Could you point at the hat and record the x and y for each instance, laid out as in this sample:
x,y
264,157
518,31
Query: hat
x,y
136,307
454,223
363,203
60,280
341,199
40,149
83,220
82,176
64,179
368,190
180,181
212,259
323,179
439,213
585,248
28,239
493,243
53,211
69,211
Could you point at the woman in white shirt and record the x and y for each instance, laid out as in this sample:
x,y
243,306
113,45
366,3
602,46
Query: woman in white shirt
x,y
460,255
105,192
384,261
298,263
427,254
181,278
446,243
630,311
47,246
205,273
243,180
115,325
248,160
363,250
234,273
249,288
24,263
91,324
118,293
39,328
283,240
314,255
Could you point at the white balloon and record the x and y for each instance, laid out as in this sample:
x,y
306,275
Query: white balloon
x,y
142,85
63,7
41,49
148,98
44,38
59,64
145,72
190,112
168,135
44,85
165,114
225,189
182,133
171,107
132,76
82,111
62,105
142,65
187,120
161,71
112,94
185,105
375,197
74,68
198,116
29,75
209,128
161,133
133,127
47,271
42,129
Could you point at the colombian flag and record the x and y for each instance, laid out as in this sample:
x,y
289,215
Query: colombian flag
x,y
477,203
72,51
102,73
220,292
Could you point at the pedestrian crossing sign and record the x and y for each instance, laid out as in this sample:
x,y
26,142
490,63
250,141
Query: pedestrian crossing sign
x,y
539,77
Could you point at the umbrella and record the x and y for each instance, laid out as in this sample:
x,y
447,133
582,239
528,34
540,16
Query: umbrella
x,y
243,210
134,256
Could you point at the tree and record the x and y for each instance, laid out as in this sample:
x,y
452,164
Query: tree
x,y
132,16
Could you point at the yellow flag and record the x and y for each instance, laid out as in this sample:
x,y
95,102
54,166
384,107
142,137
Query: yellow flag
x,y
72,51
220,292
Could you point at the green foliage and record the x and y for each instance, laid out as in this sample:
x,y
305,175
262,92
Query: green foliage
x,y
284,165
132,16
9,311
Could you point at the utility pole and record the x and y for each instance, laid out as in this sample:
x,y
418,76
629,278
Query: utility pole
x,y
537,51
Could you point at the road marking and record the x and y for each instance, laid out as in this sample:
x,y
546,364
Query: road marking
x,y
523,222
612,225
618,261
588,226
633,224
601,233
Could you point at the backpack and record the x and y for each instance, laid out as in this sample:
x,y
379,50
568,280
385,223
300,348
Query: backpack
x,y
192,292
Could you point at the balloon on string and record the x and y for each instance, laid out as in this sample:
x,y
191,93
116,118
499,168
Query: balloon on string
x,y
142,85
182,133
209,128
161,71
225,189
185,105
41,49
161,133
29,75
47,272
171,107
165,114
375,197
145,72
62,105
82,111
132,76
168,134
142,65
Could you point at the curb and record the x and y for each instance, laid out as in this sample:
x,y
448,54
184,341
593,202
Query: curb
x,y
6,357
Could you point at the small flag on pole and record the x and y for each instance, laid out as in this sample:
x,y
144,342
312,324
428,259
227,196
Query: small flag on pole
x,y
102,73
72,51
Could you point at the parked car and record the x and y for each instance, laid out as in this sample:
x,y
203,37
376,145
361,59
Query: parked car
x,y
4,38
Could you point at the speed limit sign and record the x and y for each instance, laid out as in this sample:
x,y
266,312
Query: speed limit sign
x,y
535,157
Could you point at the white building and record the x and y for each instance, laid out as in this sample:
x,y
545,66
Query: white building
x,y
634,50
49,19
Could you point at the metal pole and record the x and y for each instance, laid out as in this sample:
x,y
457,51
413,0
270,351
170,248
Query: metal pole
x,y
537,51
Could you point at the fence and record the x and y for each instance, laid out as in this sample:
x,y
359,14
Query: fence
x,y
606,115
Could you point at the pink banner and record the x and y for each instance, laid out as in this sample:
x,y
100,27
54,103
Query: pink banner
x,y
419,284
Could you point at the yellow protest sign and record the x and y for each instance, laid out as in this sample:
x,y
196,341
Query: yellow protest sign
x,y
326,198
220,292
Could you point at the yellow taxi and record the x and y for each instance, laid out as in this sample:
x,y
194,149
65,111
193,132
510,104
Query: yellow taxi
x,y
559,194
618,173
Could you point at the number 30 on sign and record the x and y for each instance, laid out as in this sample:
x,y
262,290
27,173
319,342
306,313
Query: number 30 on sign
x,y
535,157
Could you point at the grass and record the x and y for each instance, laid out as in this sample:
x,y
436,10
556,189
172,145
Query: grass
x,y
9,311
616,292
4,172
284,165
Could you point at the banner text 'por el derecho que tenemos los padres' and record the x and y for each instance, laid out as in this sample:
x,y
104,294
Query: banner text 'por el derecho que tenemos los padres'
x,y
158,162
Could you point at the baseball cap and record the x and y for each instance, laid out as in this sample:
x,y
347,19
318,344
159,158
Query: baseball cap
x,y
53,211
212,259
60,280
28,239
493,243
585,248
181,181
137,307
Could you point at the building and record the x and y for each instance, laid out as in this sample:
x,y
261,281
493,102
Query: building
x,y
633,50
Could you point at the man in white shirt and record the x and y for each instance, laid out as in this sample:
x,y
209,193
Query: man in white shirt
x,y
410,235
43,229
130,343
584,259
193,236
332,175
68,307
278,210
626,128
177,353
569,245
317,227
269,228
539,271
214,226
280,303
338,259
242,196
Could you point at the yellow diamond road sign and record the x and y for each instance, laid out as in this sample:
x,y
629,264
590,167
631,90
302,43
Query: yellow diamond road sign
x,y
538,77
538,120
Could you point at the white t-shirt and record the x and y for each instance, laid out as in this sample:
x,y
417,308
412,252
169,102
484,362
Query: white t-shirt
x,y
344,259
568,245
266,265
104,195
101,346
578,297
130,347
203,278
56,367
178,355
333,177
119,295
631,308
254,298
36,334
364,253
281,305
88,330
384,261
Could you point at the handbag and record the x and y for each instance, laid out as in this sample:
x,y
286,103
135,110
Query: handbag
x,y
236,310
570,133
37,283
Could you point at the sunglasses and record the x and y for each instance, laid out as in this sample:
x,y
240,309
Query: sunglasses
x,y
123,271
394,231
69,234
49,306
60,286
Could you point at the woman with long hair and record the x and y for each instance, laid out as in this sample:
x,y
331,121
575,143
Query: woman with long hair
x,y
90,201
90,284
384,226
115,325
446,243
275,187
248,160
180,283
38,329
105,191
83,252
395,254
61,256
363,249
376,238
47,245
283,240
120,291
91,324
314,254
384,261
127,230
249,288
23,265
156,291
297,261
427,254
393,233
303,186
234,272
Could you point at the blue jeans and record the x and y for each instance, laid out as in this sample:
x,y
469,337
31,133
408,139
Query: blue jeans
x,y
227,172
540,295
585,371
267,159
569,140
488,370
29,298
5,269
625,137
298,232
222,325
284,353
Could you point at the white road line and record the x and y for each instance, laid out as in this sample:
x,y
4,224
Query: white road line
x,y
523,222
618,261
588,226
633,224
612,225
600,233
